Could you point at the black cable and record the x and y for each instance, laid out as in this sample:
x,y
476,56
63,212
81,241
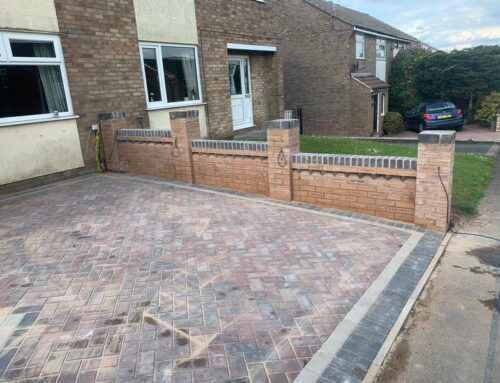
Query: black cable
x,y
447,197
475,235
448,214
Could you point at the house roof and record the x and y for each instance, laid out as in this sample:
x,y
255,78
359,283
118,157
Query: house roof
x,y
360,19
370,81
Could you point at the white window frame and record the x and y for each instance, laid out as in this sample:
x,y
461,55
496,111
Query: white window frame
x,y
382,104
8,59
3,53
164,103
380,42
362,40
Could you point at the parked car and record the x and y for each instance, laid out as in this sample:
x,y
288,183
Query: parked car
x,y
435,114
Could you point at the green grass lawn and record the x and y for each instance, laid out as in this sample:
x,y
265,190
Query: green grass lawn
x,y
472,173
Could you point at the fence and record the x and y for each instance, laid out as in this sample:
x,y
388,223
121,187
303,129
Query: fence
x,y
399,188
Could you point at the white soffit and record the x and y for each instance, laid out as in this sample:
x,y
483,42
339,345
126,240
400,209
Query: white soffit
x,y
249,47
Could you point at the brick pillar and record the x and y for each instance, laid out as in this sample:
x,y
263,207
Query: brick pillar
x,y
185,127
436,154
283,139
110,123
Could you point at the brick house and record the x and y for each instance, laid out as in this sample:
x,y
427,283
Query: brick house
x,y
336,62
75,60
241,36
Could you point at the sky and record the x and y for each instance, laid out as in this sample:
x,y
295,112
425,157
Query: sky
x,y
443,24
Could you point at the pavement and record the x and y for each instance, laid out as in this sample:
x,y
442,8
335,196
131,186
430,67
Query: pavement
x,y
454,332
116,278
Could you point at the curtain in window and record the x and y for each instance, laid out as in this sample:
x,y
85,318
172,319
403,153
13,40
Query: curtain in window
x,y
51,80
232,71
189,67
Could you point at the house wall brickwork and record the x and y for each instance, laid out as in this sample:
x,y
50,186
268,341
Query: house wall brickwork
x,y
317,68
319,55
396,188
101,53
244,22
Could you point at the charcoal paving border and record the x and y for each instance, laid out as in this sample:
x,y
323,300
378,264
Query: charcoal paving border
x,y
350,361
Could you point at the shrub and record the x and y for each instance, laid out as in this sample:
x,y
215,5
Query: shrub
x,y
489,108
393,123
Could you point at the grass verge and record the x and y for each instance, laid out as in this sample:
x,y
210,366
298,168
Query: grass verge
x,y
472,172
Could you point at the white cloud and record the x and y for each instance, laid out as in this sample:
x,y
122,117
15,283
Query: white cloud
x,y
446,24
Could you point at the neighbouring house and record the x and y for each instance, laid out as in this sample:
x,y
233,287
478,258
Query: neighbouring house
x,y
336,63
240,37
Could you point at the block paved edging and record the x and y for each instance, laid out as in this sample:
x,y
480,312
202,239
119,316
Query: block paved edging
x,y
348,355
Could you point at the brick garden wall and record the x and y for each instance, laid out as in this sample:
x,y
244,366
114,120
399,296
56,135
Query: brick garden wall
x,y
240,173
382,192
396,188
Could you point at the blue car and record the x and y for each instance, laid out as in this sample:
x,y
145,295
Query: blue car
x,y
436,114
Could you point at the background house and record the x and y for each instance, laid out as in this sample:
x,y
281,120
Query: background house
x,y
336,63
240,37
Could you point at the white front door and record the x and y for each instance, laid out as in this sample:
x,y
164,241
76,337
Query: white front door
x,y
241,91
381,69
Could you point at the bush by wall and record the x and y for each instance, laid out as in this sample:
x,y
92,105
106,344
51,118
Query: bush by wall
x,y
393,123
489,109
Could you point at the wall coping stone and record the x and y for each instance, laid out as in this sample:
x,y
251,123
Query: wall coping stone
x,y
143,133
184,114
230,145
111,115
406,163
445,137
282,124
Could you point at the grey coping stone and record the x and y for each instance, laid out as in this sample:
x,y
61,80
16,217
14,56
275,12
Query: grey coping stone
x,y
111,115
144,133
185,114
407,163
445,137
230,145
282,124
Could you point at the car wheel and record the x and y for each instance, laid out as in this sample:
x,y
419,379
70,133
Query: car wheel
x,y
421,128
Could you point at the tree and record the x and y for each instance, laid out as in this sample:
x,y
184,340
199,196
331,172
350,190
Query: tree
x,y
403,94
464,76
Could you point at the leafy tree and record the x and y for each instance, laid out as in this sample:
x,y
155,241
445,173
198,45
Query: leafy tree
x,y
464,76
489,109
403,94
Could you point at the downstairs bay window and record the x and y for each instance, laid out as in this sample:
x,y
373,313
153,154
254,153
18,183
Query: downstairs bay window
x,y
171,75
33,82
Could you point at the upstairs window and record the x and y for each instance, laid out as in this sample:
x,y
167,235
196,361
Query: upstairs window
x,y
381,49
171,75
33,82
360,46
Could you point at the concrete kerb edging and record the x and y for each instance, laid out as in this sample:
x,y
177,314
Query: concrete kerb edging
x,y
322,358
403,317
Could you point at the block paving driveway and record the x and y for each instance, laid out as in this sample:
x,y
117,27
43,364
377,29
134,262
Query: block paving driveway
x,y
119,279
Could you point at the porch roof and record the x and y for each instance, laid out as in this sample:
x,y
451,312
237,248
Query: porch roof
x,y
370,81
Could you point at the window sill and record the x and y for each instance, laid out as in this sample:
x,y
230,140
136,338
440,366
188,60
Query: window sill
x,y
181,105
37,121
